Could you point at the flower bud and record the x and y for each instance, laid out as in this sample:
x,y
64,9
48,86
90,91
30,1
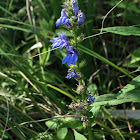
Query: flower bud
x,y
75,8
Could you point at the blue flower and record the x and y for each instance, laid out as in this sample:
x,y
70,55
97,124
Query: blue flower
x,y
63,19
72,75
75,8
71,57
61,41
80,18
90,99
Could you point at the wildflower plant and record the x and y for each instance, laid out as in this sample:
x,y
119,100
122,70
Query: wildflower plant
x,y
73,19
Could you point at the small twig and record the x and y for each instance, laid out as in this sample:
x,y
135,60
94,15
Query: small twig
x,y
108,14
127,121
28,8
94,35
29,81
91,77
45,52
29,12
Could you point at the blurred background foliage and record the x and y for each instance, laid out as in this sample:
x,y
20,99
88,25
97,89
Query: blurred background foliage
x,y
34,90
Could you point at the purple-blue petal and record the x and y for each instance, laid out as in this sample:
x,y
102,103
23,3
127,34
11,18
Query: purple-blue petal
x,y
80,18
69,59
63,20
75,11
90,99
75,58
63,14
55,45
75,7
65,59
60,41
58,22
67,22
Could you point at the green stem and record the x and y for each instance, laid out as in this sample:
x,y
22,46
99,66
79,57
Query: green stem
x,y
81,81
89,129
75,37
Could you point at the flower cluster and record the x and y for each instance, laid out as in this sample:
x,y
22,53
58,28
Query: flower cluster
x,y
72,18
63,19
62,42
76,13
90,99
72,75
81,16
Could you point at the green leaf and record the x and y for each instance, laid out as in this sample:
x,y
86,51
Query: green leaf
x,y
79,136
92,88
44,10
132,85
52,124
130,93
95,111
135,56
16,28
130,7
61,133
128,64
56,7
3,9
70,122
69,135
122,30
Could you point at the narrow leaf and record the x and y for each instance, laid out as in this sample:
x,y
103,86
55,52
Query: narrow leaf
x,y
122,30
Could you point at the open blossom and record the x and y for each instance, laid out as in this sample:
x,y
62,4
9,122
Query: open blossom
x,y
75,8
72,75
71,57
60,41
90,99
80,18
63,19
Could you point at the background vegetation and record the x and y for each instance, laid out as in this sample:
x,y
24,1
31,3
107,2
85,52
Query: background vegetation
x,y
34,94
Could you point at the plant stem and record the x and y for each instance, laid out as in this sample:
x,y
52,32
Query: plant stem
x,y
75,37
89,129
